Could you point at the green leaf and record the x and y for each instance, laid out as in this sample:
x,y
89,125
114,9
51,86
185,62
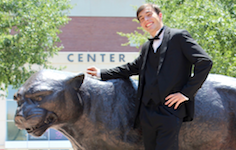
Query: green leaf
x,y
29,36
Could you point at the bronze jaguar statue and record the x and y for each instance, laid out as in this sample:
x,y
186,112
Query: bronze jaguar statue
x,y
98,115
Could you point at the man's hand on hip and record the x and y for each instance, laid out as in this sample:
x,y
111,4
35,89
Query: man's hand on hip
x,y
176,98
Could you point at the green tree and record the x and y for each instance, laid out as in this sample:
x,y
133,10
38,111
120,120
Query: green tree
x,y
211,23
29,36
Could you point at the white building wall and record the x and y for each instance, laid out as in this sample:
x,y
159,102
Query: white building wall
x,y
2,121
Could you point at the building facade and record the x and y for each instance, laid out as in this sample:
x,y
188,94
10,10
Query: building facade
x,y
90,38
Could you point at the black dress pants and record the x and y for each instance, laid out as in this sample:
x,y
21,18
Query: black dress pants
x,y
160,128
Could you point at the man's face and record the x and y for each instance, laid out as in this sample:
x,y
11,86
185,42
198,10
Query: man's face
x,y
150,20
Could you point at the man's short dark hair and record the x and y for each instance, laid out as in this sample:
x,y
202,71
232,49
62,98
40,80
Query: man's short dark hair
x,y
142,7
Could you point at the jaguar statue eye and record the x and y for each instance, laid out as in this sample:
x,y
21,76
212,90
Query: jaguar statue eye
x,y
38,98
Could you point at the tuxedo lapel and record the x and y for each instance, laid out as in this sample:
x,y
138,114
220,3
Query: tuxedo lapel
x,y
146,48
163,48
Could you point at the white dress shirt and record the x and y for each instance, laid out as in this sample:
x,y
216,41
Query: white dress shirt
x,y
157,43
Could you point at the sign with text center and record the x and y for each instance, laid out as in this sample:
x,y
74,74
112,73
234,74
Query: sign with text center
x,y
79,61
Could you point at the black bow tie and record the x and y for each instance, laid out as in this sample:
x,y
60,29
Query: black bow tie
x,y
157,36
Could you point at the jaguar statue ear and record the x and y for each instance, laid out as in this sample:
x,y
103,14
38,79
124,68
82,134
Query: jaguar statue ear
x,y
76,81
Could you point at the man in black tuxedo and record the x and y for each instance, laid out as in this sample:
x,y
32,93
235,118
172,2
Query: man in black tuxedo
x,y
166,83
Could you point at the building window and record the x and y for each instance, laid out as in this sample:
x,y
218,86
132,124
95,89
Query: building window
x,y
56,135
43,137
13,133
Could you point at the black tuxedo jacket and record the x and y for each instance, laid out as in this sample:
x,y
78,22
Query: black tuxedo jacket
x,y
179,55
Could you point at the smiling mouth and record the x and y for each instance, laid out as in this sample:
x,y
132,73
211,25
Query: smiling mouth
x,y
149,24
